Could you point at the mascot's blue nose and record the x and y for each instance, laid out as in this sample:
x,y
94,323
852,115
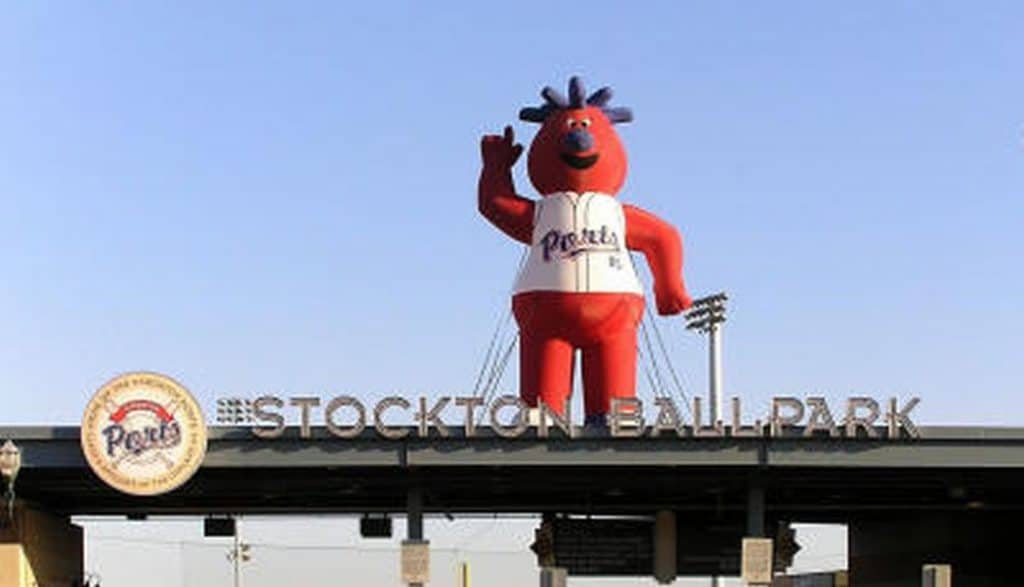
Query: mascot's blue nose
x,y
578,141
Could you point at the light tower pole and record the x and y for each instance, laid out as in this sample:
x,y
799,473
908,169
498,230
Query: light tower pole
x,y
707,316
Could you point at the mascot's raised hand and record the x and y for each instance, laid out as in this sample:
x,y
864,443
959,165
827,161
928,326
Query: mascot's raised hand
x,y
578,288
500,152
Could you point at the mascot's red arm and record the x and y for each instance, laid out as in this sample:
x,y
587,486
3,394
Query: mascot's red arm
x,y
661,245
497,198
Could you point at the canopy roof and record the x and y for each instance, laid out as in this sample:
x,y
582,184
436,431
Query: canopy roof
x,y
806,479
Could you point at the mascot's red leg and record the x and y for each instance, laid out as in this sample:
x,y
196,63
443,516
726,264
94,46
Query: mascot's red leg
x,y
609,371
545,357
545,370
609,357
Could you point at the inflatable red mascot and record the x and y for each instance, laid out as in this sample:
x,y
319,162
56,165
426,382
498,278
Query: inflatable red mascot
x,y
577,288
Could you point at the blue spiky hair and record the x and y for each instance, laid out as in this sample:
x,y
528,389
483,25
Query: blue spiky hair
x,y
555,101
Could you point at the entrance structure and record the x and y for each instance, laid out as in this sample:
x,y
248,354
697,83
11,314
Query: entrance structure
x,y
39,548
951,496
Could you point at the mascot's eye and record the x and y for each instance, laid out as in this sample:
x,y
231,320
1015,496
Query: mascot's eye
x,y
585,122
570,123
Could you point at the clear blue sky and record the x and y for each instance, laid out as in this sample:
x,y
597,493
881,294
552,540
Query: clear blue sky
x,y
282,198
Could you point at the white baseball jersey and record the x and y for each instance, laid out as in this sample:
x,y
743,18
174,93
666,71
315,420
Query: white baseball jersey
x,y
578,245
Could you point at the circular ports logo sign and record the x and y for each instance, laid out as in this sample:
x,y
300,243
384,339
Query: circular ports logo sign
x,y
143,434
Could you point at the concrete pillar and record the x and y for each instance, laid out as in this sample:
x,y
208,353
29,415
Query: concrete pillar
x,y
553,577
39,548
666,550
414,529
937,576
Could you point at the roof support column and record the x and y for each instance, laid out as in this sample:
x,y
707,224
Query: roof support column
x,y
414,507
755,510
415,550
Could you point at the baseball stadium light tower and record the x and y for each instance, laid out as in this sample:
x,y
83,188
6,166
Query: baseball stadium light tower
x,y
706,316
